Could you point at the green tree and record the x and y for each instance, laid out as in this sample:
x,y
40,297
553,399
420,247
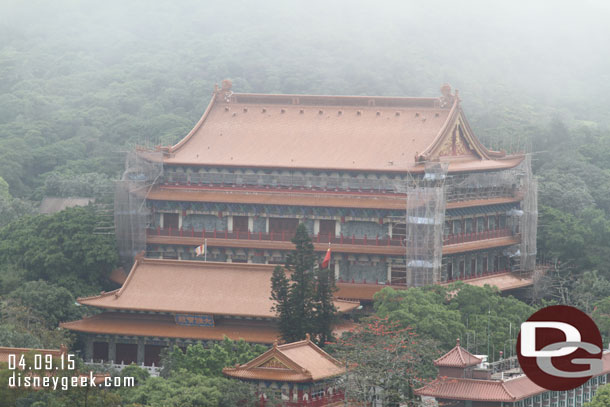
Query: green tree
x,y
325,313
280,287
456,311
50,303
601,398
304,304
387,361
187,389
61,249
300,265
424,310
601,316
209,361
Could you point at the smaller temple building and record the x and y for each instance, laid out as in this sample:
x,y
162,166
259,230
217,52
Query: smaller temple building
x,y
460,383
299,373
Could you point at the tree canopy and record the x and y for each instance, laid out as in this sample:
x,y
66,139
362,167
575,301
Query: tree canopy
x,y
304,302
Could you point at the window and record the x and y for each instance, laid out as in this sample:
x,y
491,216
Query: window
x,y
240,223
286,225
457,227
468,226
170,220
100,351
327,228
480,224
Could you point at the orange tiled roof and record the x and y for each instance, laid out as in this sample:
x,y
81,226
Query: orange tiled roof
x,y
466,389
196,287
6,351
457,357
326,132
293,362
503,281
509,390
163,326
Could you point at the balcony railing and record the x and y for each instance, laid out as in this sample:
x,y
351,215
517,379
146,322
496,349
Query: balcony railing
x,y
471,237
402,282
287,235
152,370
280,236
483,274
315,402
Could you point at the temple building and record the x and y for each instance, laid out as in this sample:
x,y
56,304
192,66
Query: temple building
x,y
167,302
299,373
460,383
401,188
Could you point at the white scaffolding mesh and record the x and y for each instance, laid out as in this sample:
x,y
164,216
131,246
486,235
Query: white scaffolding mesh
x,y
528,225
425,220
142,170
425,215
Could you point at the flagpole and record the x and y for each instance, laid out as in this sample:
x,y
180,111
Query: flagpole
x,y
205,249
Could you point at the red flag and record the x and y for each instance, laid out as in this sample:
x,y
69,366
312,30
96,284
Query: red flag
x,y
326,260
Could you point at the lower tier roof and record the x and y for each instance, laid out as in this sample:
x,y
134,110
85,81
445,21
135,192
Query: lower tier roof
x,y
196,287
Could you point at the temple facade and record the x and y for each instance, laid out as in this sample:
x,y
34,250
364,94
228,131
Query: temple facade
x,y
461,384
400,188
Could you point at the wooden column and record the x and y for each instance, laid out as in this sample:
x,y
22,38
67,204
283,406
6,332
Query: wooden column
x,y
140,356
88,348
112,350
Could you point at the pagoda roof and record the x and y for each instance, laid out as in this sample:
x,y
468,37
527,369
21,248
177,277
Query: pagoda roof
x,y
301,361
457,357
361,133
182,286
509,390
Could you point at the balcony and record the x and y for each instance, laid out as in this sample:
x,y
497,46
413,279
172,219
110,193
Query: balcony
x,y
282,236
471,237
326,400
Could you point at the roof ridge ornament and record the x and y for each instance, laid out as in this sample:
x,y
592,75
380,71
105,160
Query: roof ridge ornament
x,y
447,99
225,91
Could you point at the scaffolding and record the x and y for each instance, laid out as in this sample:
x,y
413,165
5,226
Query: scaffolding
x,y
528,224
131,215
425,220
425,215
